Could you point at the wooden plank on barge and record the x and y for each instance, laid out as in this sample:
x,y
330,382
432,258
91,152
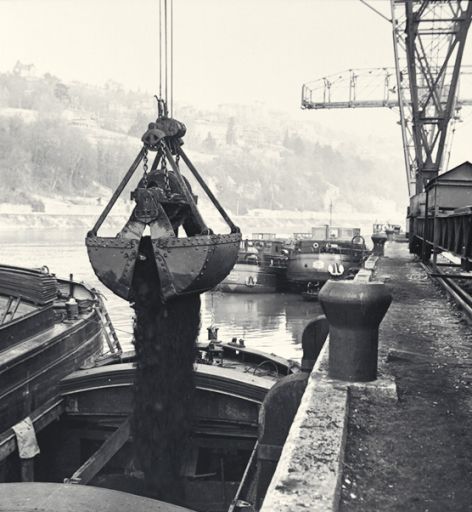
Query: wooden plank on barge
x,y
97,461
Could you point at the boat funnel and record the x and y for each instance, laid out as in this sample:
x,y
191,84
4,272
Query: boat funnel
x,y
193,263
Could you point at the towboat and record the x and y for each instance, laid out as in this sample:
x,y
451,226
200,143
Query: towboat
x,y
260,267
326,253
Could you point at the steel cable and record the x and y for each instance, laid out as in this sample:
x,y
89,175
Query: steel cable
x,y
166,53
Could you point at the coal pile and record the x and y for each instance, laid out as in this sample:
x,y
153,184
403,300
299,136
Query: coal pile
x,y
165,341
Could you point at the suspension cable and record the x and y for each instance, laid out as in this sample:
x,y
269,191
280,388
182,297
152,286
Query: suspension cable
x,y
166,50
171,57
160,49
166,53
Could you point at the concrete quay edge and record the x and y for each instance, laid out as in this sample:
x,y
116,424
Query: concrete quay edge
x,y
310,469
308,475
365,274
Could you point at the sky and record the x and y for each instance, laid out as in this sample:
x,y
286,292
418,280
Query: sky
x,y
225,51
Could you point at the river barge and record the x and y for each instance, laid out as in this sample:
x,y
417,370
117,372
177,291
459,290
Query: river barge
x,y
260,267
325,253
48,328
90,440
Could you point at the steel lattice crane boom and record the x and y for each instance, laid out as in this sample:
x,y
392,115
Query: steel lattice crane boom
x,y
429,38
368,88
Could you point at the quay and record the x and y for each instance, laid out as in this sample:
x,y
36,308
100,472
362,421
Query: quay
x,y
403,441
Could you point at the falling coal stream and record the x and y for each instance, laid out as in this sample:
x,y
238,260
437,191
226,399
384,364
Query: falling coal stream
x,y
165,341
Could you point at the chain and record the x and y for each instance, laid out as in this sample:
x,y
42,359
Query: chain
x,y
145,168
165,170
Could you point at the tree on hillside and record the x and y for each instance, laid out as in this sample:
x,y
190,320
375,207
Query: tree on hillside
x,y
139,125
209,143
4,97
61,91
286,141
231,132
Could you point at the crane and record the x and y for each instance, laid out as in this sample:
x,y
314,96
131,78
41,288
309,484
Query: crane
x,y
428,40
190,258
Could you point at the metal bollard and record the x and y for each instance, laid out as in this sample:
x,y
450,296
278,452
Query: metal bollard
x,y
389,233
379,240
313,338
354,311
72,309
212,333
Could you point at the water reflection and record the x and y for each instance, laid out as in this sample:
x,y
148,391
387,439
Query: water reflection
x,y
270,322
246,311
298,313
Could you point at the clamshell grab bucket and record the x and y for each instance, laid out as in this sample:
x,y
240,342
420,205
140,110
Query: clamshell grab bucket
x,y
164,202
184,265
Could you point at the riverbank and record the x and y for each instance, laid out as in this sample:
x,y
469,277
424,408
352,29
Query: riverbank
x,y
81,214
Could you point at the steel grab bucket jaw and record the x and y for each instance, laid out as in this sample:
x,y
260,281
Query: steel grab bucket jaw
x,y
113,261
195,264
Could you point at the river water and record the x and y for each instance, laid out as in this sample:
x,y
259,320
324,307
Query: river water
x,y
270,322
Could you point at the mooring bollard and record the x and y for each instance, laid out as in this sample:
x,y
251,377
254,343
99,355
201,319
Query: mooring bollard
x,y
313,338
389,233
354,311
379,240
212,333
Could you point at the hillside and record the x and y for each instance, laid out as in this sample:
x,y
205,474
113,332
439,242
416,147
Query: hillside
x,y
73,139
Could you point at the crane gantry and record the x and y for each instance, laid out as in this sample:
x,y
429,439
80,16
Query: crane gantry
x,y
428,38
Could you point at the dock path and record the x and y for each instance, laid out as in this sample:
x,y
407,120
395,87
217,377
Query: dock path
x,y
416,454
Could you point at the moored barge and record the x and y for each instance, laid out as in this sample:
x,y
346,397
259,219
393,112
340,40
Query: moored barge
x,y
48,328
90,442
325,253
260,267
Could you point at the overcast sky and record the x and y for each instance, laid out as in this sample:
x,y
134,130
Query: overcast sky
x,y
225,50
